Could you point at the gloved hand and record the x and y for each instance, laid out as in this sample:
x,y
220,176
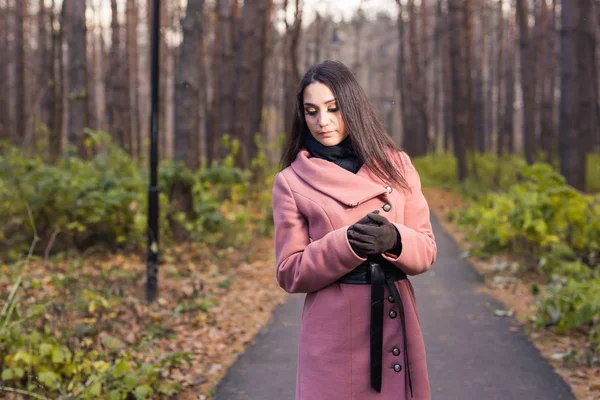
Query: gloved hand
x,y
374,234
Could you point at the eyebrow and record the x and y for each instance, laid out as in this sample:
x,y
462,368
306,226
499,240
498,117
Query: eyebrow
x,y
327,102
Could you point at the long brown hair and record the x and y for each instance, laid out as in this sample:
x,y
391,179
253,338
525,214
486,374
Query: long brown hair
x,y
367,134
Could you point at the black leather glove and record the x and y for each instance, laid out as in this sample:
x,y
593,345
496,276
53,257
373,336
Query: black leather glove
x,y
374,234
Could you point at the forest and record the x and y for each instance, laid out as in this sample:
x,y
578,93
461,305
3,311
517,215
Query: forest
x,y
497,102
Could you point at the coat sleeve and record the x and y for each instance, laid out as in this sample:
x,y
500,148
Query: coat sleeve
x,y
304,266
419,249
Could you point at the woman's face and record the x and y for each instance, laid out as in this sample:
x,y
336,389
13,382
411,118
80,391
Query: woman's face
x,y
322,115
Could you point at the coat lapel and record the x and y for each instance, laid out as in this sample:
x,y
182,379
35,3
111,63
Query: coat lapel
x,y
331,179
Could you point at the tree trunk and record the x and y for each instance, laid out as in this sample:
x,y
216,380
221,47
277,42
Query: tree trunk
x,y
413,130
585,56
249,77
55,98
223,78
291,72
188,87
447,79
479,103
459,74
500,72
548,79
509,104
527,57
78,96
467,82
572,160
5,131
401,74
437,114
132,79
117,99
423,87
44,67
20,91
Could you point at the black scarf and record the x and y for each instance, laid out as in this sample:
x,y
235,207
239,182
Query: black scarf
x,y
341,154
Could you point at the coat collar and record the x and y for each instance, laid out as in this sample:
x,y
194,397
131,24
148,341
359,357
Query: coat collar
x,y
337,182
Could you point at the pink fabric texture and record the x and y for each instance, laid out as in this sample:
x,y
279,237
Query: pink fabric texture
x,y
314,203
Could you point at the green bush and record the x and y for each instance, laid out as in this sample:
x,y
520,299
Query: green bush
x,y
532,212
36,361
102,201
570,304
535,216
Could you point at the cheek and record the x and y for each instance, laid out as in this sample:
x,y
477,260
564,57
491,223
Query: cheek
x,y
340,122
310,122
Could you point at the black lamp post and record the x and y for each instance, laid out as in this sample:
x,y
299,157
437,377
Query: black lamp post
x,y
152,261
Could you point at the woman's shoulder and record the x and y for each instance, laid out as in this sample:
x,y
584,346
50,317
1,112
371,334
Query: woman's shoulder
x,y
399,158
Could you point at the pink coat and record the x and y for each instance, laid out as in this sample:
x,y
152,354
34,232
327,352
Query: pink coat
x,y
314,203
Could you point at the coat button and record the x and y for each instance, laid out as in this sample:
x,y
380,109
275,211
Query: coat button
x,y
388,188
393,314
397,367
387,207
396,351
391,298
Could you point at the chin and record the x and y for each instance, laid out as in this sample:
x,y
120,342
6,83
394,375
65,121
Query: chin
x,y
331,141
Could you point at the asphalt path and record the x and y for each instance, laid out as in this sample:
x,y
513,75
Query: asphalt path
x,y
471,353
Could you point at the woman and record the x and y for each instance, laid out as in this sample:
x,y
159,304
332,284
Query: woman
x,y
351,223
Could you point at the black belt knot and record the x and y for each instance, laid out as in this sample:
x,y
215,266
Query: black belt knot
x,y
377,273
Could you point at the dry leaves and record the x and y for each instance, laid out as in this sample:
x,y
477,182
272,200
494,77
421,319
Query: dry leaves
x,y
211,304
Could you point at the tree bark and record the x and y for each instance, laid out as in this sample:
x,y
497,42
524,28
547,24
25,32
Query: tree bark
x,y
78,96
117,99
585,56
249,77
548,79
572,160
55,98
479,102
132,79
401,73
527,57
500,73
509,104
425,63
459,74
20,92
188,87
291,71
5,124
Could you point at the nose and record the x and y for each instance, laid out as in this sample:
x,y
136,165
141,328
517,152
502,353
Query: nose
x,y
323,119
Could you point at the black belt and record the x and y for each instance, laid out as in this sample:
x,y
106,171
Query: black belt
x,y
377,273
